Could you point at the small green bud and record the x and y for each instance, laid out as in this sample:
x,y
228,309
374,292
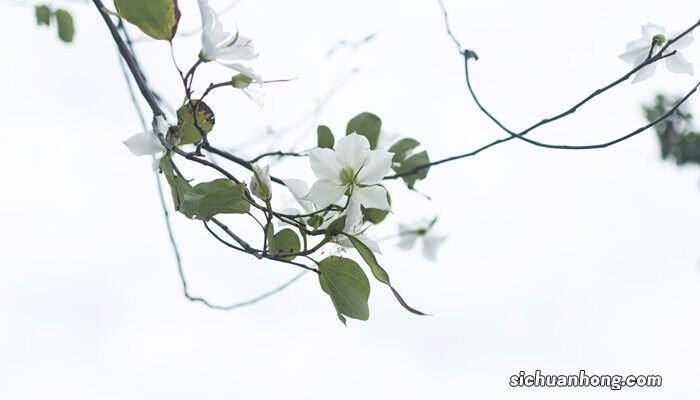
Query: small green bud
x,y
658,40
174,135
315,221
241,81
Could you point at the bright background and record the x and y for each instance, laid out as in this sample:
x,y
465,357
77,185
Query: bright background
x,y
558,261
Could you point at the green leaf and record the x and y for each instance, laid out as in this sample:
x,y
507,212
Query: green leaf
x,y
205,118
379,272
315,221
411,163
336,226
367,125
285,242
375,215
179,186
403,148
220,196
66,29
325,137
156,18
347,285
43,15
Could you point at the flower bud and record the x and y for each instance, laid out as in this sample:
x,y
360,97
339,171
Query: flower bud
x,y
658,40
241,81
260,183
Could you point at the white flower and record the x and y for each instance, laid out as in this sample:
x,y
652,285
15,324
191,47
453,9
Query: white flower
x,y
637,51
147,143
300,191
260,182
224,47
410,233
350,169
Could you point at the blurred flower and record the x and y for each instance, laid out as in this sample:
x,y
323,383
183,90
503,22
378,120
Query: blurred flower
x,y
431,242
148,143
260,182
351,169
224,47
653,39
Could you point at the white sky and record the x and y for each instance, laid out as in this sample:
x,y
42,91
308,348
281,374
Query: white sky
x,y
558,261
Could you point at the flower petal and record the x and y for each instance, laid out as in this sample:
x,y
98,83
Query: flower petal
x,y
679,64
371,244
681,43
244,70
635,55
407,241
155,164
211,27
161,125
352,151
297,187
324,193
431,243
353,214
376,167
143,144
645,73
325,165
649,30
371,197
299,190
288,211
242,49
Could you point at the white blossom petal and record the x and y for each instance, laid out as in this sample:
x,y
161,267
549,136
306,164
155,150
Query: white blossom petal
x,y
324,193
371,244
649,30
297,187
161,125
143,144
371,197
679,64
155,164
645,73
635,56
288,211
212,30
681,43
431,243
352,151
244,70
300,190
325,165
353,214
241,49
376,167
408,240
